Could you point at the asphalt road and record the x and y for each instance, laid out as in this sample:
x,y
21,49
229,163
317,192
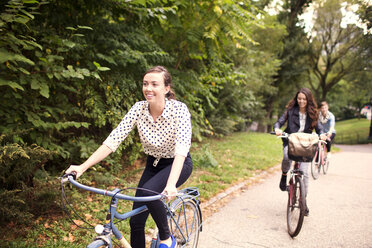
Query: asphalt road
x,y
340,206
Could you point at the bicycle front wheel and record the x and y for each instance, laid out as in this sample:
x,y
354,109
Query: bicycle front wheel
x,y
296,207
97,244
184,223
315,166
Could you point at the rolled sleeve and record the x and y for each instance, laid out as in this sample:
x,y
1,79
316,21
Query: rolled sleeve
x,y
118,135
183,131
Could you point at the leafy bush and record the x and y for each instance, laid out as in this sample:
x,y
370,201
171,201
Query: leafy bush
x,y
204,158
70,70
19,192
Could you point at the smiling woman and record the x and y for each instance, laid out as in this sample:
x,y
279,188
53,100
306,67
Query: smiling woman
x,y
301,116
157,83
164,127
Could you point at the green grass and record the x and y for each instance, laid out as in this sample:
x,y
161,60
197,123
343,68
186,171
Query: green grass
x,y
238,156
354,131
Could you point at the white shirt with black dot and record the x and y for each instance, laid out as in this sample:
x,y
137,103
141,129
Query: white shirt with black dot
x,y
170,135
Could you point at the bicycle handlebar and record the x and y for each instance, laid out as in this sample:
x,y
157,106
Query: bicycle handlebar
x,y
71,178
286,135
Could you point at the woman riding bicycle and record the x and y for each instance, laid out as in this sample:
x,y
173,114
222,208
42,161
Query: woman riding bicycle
x,y
327,122
301,115
164,127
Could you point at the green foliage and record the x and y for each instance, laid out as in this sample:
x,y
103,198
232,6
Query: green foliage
x,y
293,58
19,166
13,207
204,157
69,81
70,70
336,51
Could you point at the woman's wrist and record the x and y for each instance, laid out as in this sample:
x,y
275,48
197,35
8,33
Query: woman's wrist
x,y
84,167
170,183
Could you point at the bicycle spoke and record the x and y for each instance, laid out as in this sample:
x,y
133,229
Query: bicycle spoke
x,y
184,224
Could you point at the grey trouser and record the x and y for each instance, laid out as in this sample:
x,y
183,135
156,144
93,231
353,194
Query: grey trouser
x,y
304,167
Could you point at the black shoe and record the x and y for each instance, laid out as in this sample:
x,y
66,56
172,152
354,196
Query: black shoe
x,y
283,183
307,211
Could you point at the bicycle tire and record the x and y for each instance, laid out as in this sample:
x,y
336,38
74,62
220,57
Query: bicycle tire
x,y
97,244
315,166
296,207
325,166
188,237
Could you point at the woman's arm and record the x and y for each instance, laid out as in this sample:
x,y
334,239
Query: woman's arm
x,y
183,142
100,154
280,123
170,188
332,124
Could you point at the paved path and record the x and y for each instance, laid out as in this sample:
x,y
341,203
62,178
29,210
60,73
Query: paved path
x,y
340,206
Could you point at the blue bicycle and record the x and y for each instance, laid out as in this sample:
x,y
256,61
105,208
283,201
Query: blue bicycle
x,y
184,215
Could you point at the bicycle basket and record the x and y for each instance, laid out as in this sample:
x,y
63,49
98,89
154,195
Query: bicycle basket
x,y
302,146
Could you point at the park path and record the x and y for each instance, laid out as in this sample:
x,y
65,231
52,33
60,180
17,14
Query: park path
x,y
340,206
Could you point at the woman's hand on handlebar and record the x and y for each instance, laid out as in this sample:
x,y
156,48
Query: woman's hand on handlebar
x,y
323,137
170,192
278,132
75,168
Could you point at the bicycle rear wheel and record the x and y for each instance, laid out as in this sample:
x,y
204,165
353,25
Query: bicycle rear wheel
x,y
315,166
296,207
184,223
325,166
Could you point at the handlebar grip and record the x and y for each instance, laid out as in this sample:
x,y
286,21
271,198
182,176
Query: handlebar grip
x,y
73,174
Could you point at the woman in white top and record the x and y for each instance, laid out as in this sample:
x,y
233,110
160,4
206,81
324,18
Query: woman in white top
x,y
301,115
164,128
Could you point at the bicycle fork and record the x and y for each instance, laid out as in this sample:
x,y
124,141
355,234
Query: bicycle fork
x,y
292,183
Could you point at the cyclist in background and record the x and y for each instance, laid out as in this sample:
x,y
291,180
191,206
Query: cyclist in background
x,y
301,115
327,121
164,127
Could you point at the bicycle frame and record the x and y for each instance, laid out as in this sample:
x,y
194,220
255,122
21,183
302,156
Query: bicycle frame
x,y
109,228
295,172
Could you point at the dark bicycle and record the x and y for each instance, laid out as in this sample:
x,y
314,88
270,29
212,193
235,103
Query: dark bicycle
x,y
296,205
184,215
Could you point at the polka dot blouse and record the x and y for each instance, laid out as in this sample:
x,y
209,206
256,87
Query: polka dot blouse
x,y
170,135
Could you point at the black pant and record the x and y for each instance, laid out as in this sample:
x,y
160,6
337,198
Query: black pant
x,y
329,142
155,179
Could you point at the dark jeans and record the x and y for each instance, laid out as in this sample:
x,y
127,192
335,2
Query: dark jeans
x,y
155,179
329,142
